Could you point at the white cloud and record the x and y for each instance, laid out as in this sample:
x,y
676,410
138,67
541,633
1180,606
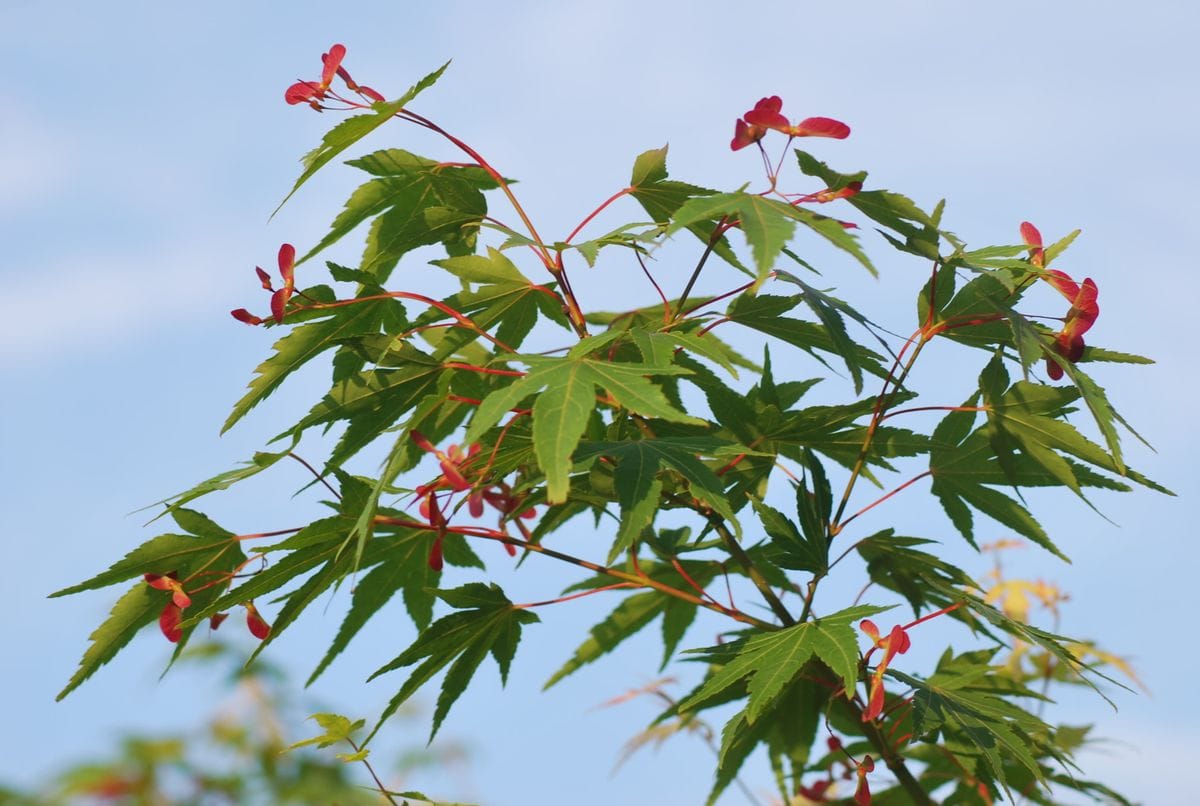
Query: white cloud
x,y
35,161
1146,763
89,302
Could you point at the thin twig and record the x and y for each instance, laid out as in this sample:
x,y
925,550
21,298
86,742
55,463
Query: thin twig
x,y
760,582
316,475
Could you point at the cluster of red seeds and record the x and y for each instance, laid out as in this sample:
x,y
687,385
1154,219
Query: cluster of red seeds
x,y
822,791
279,296
453,462
1083,312
766,116
171,617
314,92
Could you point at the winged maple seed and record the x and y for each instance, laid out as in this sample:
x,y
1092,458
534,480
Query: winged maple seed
x,y
279,296
171,617
1083,312
825,790
829,194
862,793
259,627
169,582
453,462
449,460
766,115
172,613
169,620
313,92
897,643
287,271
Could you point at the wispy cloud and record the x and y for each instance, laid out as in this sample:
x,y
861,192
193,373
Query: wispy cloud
x,y
97,301
36,159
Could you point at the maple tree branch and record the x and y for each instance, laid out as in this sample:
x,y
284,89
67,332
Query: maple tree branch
x,y
760,582
713,240
383,790
316,475
809,594
894,762
461,319
496,176
896,382
885,497
636,579
587,220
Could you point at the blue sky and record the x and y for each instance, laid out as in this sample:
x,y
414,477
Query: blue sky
x,y
144,146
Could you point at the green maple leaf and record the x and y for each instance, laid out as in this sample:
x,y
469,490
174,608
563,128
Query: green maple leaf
x,y
489,623
180,553
1026,417
426,208
662,197
403,568
966,699
796,550
764,313
353,129
136,609
636,612
923,579
637,484
207,549
768,662
222,481
372,401
503,302
304,343
418,195
768,225
894,211
828,311
566,397
335,729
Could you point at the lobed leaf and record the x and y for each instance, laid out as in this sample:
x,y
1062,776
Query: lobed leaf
x,y
304,343
351,130
464,637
